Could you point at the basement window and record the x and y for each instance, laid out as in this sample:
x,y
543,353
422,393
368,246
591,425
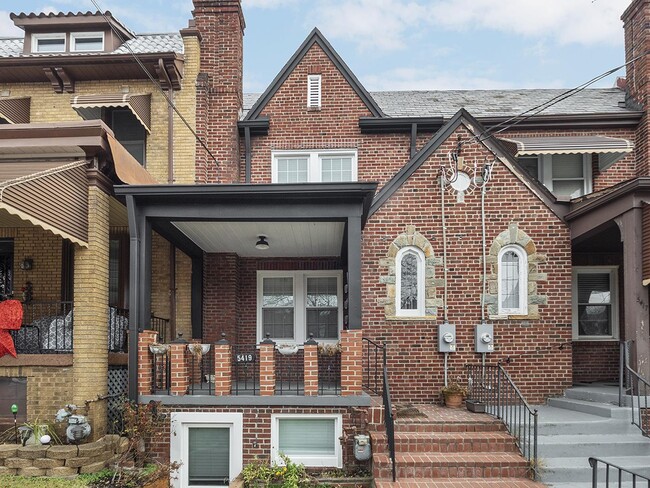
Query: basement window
x,y
48,43
314,91
312,440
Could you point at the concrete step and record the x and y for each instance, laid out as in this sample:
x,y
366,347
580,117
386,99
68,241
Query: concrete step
x,y
601,484
560,421
577,469
457,483
591,408
451,465
603,394
438,442
599,445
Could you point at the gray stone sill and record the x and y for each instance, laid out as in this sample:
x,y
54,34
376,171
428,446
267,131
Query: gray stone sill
x,y
410,319
363,400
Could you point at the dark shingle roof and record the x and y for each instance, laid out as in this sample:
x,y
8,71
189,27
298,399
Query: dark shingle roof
x,y
488,103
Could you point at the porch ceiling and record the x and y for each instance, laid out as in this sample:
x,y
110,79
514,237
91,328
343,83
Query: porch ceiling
x,y
286,239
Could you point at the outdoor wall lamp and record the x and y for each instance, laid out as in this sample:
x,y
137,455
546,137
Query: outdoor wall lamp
x,y
27,264
262,244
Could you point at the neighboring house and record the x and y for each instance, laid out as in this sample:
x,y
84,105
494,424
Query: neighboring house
x,y
78,115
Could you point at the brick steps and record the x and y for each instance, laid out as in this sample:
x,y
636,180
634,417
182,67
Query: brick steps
x,y
477,426
446,442
458,483
452,465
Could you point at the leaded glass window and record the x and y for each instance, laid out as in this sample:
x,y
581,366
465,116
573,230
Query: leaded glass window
x,y
410,282
513,281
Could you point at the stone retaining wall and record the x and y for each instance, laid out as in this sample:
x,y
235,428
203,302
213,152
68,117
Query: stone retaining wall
x,y
63,461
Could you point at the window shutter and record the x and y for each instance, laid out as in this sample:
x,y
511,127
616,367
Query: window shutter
x,y
313,91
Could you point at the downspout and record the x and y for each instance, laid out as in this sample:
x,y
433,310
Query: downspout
x,y
247,149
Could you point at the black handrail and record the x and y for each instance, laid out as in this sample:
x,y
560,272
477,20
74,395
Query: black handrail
x,y
492,385
631,383
620,478
374,358
389,419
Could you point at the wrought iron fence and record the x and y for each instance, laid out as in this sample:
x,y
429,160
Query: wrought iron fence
x,y
245,369
492,386
161,326
118,326
329,373
201,372
47,328
161,373
289,373
374,361
616,476
637,387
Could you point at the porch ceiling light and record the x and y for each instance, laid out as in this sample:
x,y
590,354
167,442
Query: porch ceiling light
x,y
262,244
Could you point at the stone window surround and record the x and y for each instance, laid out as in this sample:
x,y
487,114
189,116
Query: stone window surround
x,y
411,238
514,236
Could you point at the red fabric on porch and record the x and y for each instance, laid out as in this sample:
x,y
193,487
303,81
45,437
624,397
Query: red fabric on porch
x,y
11,318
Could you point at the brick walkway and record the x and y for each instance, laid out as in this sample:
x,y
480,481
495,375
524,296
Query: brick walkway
x,y
458,483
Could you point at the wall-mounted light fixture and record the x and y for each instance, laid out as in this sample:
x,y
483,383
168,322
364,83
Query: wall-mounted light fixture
x,y
27,264
262,244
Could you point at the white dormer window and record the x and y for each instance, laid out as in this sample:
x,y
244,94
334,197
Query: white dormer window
x,y
48,43
87,41
313,91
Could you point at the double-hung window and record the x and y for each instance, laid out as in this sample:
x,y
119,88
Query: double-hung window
x,y
314,166
595,303
513,281
292,305
566,175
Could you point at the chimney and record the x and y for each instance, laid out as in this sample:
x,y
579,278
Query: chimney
x,y
636,24
219,89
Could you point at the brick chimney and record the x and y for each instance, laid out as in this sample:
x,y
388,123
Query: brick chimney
x,y
219,89
636,23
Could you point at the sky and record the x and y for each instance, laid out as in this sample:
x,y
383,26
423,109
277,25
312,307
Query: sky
x,y
405,44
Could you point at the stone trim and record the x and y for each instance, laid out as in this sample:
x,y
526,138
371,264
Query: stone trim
x,y
411,238
514,236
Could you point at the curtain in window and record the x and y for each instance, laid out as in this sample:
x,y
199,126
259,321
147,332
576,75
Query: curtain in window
x,y
509,276
209,456
409,282
594,304
307,437
277,307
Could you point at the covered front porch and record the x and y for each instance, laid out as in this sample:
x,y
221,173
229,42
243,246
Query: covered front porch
x,y
276,291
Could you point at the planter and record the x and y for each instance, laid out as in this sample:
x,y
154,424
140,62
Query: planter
x,y
157,349
475,406
194,349
453,400
287,349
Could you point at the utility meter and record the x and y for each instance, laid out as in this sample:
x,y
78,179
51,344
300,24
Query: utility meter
x,y
446,338
484,337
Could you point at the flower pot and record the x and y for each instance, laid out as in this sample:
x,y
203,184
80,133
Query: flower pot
x,y
475,406
205,348
158,348
287,349
453,400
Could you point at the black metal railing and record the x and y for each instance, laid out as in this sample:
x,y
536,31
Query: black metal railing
x,y
616,475
201,372
637,387
374,360
245,369
492,386
289,373
47,328
389,419
329,373
161,373
161,326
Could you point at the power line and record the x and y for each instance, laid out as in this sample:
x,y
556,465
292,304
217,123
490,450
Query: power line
x,y
154,81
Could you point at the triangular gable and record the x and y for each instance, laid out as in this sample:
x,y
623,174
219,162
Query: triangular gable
x,y
463,117
315,37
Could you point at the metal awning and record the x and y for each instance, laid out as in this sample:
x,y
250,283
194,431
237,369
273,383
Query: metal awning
x,y
51,195
89,106
609,149
127,168
15,110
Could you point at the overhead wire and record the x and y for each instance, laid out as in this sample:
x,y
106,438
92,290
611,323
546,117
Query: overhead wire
x,y
154,81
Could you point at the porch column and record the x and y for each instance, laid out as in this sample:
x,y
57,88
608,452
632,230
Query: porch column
x,y
222,367
267,367
351,362
180,380
354,272
310,367
145,361
90,346
636,295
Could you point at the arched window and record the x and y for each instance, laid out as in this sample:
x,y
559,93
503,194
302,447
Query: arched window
x,y
409,281
513,281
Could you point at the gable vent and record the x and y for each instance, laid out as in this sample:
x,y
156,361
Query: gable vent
x,y
313,91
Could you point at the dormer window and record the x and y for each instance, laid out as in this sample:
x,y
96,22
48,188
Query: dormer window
x,y
87,41
48,43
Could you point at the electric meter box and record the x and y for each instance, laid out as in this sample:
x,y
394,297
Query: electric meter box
x,y
446,338
484,338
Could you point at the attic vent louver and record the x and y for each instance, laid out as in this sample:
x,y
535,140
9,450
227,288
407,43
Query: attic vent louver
x,y
313,91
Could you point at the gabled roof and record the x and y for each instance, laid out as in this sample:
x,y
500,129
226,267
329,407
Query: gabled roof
x,y
315,37
463,117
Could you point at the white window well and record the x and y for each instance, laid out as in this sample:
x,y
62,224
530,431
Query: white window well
x,y
87,41
292,305
314,166
48,43
208,447
313,91
513,281
312,440
595,303
410,286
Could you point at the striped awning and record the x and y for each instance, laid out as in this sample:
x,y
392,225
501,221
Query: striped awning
x,y
51,195
15,110
89,106
609,149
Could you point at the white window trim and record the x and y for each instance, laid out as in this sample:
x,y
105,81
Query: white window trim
x,y
420,311
57,35
85,35
319,94
299,302
613,283
545,171
314,167
523,281
335,461
178,445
